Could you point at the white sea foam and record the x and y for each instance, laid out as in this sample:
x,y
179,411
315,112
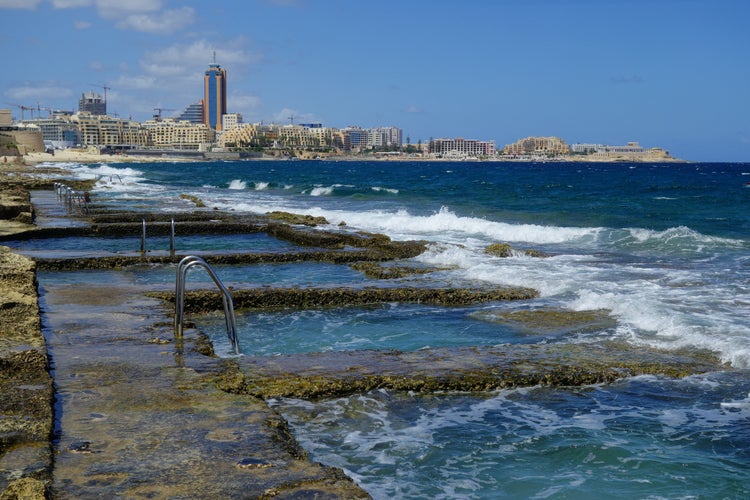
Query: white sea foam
x,y
261,186
656,306
237,184
105,170
743,404
666,317
387,190
680,237
447,226
321,190
124,181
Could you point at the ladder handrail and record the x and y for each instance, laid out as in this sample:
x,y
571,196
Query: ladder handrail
x,y
179,299
70,197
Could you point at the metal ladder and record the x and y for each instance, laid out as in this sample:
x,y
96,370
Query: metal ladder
x,y
72,198
179,299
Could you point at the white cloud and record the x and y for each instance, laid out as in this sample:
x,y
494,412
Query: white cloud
x,y
164,70
195,57
140,15
19,4
165,22
173,75
111,9
38,92
69,4
81,25
136,82
245,104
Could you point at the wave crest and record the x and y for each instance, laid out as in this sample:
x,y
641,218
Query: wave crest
x,y
237,184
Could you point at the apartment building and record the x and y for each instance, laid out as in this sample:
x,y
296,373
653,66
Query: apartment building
x,y
178,134
461,148
103,130
281,136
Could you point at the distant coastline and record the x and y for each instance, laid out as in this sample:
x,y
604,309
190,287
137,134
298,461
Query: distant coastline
x,y
83,156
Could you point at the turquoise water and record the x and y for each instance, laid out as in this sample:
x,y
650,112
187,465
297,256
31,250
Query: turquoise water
x,y
407,327
664,247
639,438
183,244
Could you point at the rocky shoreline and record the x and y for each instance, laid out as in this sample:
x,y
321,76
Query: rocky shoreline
x,y
196,384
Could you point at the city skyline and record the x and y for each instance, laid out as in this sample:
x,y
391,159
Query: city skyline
x,y
665,73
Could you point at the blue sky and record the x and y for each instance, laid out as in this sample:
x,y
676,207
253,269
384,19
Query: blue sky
x,y
667,73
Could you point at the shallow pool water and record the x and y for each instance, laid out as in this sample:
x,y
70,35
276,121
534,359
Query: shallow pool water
x,y
97,246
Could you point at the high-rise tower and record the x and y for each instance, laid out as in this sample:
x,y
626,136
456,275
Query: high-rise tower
x,y
214,95
93,103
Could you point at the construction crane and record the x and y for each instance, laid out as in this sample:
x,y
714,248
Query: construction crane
x,y
157,116
39,109
23,108
102,86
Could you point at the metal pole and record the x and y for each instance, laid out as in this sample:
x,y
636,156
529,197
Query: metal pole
x,y
171,240
143,238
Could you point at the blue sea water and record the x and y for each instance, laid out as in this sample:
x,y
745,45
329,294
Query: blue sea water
x,y
665,248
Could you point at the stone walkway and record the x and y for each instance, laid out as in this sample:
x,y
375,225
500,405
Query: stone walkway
x,y
140,415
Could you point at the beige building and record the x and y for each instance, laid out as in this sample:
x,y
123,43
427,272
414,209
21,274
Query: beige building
x,y
103,130
545,146
27,139
174,134
23,138
6,118
280,136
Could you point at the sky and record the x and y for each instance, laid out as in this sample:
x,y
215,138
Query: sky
x,y
673,74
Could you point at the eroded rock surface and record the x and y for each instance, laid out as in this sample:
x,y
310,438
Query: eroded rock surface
x,y
25,384
334,374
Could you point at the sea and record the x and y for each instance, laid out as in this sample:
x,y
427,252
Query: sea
x,y
662,249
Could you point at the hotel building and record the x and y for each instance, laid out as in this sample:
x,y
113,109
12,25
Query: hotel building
x,y
460,148
545,146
